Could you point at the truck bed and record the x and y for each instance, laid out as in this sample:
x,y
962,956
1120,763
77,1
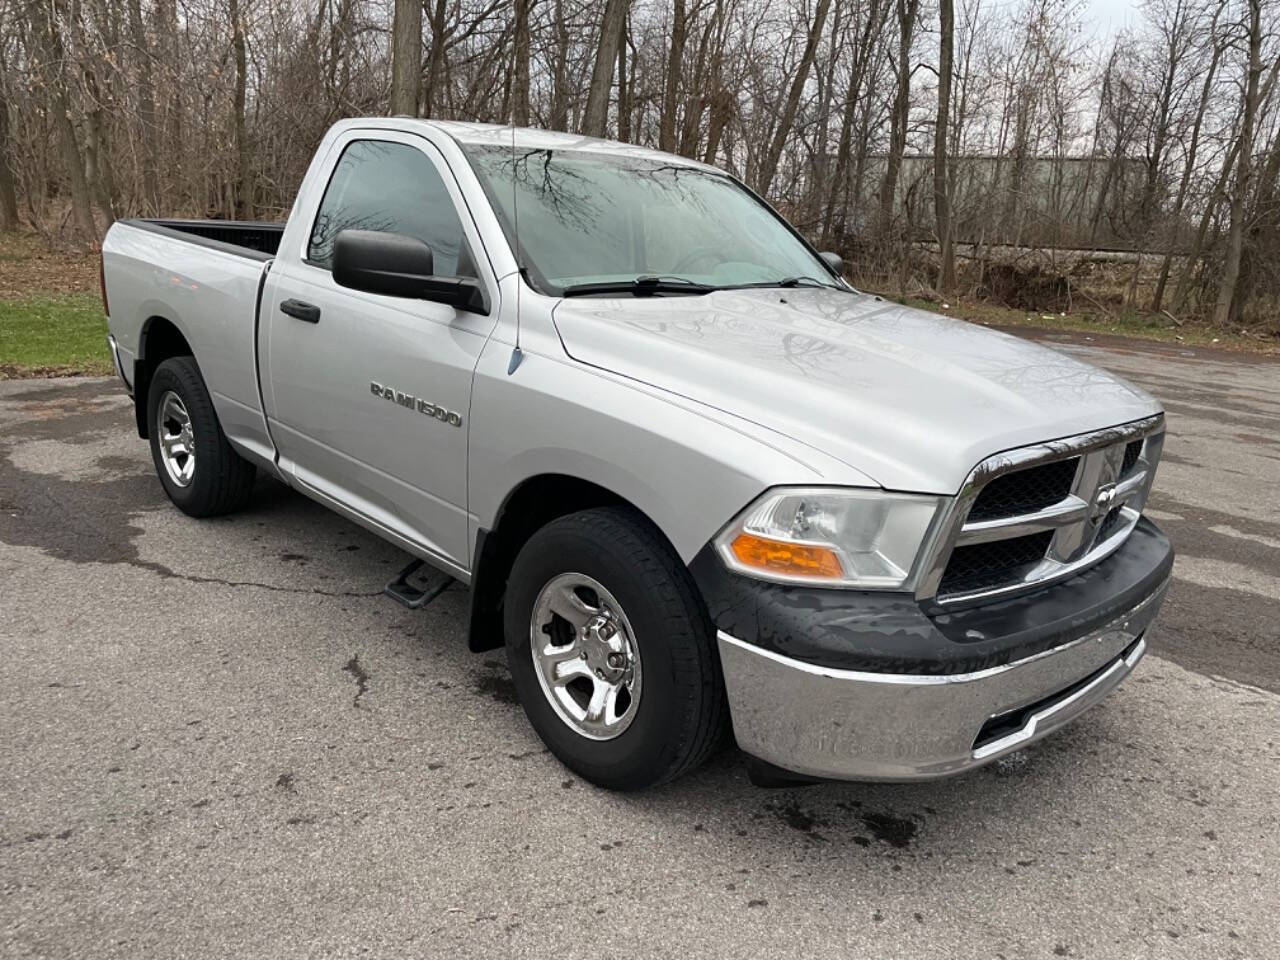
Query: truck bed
x,y
201,278
255,239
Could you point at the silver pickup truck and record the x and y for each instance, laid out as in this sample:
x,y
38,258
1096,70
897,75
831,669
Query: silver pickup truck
x,y
695,481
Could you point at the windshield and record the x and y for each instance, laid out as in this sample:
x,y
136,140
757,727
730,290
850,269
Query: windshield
x,y
597,218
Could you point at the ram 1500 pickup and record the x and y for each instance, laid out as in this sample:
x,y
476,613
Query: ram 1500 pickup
x,y
695,481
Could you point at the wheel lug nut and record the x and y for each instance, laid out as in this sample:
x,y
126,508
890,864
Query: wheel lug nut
x,y
599,674
617,661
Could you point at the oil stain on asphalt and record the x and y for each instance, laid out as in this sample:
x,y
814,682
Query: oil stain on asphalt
x,y
495,684
895,831
361,677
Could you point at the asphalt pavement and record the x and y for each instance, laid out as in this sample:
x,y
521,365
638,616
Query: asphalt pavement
x,y
218,739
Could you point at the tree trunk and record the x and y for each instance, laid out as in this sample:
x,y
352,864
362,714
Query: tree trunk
x,y
708,68
596,116
841,177
1244,171
1183,289
863,153
1116,153
721,112
671,88
243,183
173,186
1156,154
86,230
146,109
520,83
769,166
98,168
901,114
941,194
98,157
624,88
435,59
406,55
818,190
1184,185
559,73
8,193
1264,225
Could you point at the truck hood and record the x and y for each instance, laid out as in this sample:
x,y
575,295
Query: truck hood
x,y
909,398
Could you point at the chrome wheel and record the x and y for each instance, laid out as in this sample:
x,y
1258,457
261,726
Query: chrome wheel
x,y
585,656
177,441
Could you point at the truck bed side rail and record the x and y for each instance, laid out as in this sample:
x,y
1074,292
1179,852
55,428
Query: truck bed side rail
x,y
247,238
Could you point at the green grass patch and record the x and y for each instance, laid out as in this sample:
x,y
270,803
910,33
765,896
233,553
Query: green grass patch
x,y
53,335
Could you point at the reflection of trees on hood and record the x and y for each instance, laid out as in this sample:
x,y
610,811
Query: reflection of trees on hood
x,y
857,341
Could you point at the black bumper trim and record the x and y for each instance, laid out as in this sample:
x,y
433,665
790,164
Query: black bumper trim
x,y
893,633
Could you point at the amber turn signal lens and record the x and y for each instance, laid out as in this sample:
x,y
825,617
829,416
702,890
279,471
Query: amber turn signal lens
x,y
792,559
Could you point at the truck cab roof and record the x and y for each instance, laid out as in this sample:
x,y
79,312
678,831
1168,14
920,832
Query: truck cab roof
x,y
524,138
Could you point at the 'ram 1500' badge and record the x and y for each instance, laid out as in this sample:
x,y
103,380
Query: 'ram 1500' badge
x,y
414,403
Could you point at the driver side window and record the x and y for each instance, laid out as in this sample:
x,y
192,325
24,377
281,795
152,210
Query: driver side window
x,y
392,188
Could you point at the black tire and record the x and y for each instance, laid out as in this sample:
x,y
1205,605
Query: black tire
x,y
221,480
681,714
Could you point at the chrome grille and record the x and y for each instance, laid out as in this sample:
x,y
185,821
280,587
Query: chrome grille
x,y
1132,450
1030,516
1025,491
978,566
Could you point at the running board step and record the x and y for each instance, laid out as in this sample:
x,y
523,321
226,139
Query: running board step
x,y
421,590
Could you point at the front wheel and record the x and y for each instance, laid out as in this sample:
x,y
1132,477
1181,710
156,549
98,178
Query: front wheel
x,y
611,651
201,473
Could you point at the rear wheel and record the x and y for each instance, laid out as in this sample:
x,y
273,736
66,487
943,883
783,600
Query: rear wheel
x,y
199,470
612,652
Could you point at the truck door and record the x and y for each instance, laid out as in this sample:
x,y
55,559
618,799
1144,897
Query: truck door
x,y
369,395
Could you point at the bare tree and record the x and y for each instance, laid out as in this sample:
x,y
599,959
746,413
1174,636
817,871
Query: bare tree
x,y
1244,168
146,107
559,118
671,85
520,82
1189,161
1039,145
860,58
769,167
406,54
244,176
8,189
900,115
46,17
941,185
596,115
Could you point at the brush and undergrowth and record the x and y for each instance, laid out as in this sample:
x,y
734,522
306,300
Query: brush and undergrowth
x,y
1092,293
52,322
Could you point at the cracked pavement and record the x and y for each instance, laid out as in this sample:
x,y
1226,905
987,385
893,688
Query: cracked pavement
x,y
218,739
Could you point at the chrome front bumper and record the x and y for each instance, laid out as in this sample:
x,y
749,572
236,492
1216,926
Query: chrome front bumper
x,y
853,725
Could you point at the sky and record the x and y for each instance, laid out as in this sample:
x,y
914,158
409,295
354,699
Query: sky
x,y
1106,18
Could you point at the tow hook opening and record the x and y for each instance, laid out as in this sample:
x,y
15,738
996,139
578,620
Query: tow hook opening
x,y
1006,724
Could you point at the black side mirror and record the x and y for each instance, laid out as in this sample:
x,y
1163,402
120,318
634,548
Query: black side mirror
x,y
398,266
834,261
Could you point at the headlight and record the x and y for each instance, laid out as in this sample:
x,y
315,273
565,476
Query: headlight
x,y
867,539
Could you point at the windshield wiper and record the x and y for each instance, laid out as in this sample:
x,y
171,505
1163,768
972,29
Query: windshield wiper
x,y
639,287
788,282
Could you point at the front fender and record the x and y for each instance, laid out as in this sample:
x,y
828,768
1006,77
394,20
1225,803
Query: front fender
x,y
688,468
